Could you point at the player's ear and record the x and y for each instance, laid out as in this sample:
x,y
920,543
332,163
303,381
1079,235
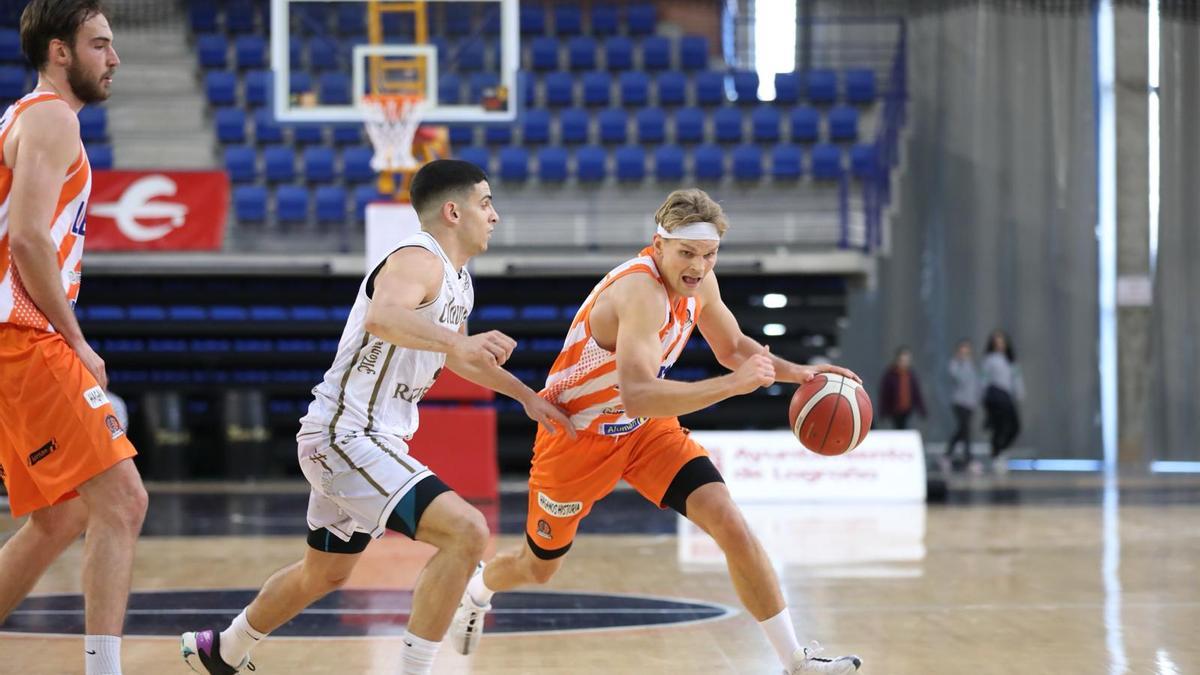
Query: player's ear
x,y
659,242
450,212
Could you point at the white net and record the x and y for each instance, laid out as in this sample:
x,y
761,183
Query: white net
x,y
392,122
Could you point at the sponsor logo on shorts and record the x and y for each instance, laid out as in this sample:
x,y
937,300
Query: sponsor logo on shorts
x,y
114,426
559,509
543,529
622,428
95,397
42,452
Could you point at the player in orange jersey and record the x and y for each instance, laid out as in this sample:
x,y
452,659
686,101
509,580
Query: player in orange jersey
x,y
609,380
59,435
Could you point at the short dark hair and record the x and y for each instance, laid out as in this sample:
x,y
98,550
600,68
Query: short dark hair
x,y
46,20
437,180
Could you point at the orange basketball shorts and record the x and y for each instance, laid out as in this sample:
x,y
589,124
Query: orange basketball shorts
x,y
57,427
569,476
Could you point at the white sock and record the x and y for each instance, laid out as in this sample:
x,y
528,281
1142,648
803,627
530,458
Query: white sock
x,y
102,654
782,635
238,640
418,655
479,592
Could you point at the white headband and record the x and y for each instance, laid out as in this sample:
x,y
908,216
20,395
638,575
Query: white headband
x,y
695,231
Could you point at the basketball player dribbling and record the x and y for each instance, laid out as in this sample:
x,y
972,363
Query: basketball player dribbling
x,y
59,435
408,321
609,380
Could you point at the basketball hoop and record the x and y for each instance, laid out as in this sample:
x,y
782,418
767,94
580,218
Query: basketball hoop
x,y
392,121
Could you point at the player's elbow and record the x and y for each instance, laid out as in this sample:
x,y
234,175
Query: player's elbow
x,y
637,403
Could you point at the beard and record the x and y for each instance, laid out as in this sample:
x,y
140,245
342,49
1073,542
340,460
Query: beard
x,y
86,88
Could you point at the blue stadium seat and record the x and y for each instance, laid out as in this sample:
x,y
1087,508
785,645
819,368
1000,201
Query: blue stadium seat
x,y
203,16
568,19
612,123
710,88
497,134
308,313
656,53
745,84
334,89
318,164
449,89
100,156
672,86
491,21
860,86
458,19
346,134
573,125
363,195
323,53
514,163
708,162
462,134
651,125
805,124
496,313
351,18
689,125
727,124
821,85
843,123
618,53
747,162
693,52
480,82
552,164
543,53
291,204
533,20
538,313
213,51
308,134
231,125
12,82
268,313
635,88
604,19
266,129
590,164
535,127
597,88
765,121
229,313
106,313
257,87
641,19
631,163
299,83
826,162
559,89
786,162
250,203
470,55
240,16
310,18
863,161
187,313
356,164
331,204
280,163
219,87
581,53
787,88
93,123
240,163
668,163
147,313
478,156
251,51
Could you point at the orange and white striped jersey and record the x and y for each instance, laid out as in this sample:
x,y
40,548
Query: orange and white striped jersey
x,y
66,227
583,379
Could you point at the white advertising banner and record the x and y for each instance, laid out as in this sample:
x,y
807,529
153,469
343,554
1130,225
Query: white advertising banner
x,y
772,466
387,224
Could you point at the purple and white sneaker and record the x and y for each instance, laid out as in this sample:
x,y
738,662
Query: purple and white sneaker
x,y
203,648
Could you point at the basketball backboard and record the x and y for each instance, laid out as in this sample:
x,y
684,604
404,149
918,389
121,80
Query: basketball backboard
x,y
462,56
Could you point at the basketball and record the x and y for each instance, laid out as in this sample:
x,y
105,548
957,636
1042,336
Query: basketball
x,y
830,414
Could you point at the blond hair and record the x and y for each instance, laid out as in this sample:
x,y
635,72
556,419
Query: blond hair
x,y
690,206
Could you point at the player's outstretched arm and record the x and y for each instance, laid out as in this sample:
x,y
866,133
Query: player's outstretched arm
x,y
732,347
411,277
501,381
639,305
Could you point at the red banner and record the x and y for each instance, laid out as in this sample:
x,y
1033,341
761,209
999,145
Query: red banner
x,y
157,210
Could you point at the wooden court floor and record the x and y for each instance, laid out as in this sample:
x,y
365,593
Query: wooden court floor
x,y
1036,580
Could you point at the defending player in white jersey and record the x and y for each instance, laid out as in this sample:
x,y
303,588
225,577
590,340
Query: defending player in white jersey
x,y
407,322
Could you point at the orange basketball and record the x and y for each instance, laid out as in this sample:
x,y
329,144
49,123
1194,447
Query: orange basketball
x,y
830,414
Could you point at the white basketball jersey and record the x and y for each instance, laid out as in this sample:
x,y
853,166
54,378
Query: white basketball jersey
x,y
374,386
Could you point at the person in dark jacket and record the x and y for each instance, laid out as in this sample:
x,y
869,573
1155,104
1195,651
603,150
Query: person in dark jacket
x,y
900,391
1003,389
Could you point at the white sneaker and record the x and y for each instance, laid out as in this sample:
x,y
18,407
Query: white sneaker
x,y
467,627
806,661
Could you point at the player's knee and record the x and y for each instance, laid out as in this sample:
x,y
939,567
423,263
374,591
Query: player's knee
x,y
322,581
727,526
60,524
474,535
124,511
